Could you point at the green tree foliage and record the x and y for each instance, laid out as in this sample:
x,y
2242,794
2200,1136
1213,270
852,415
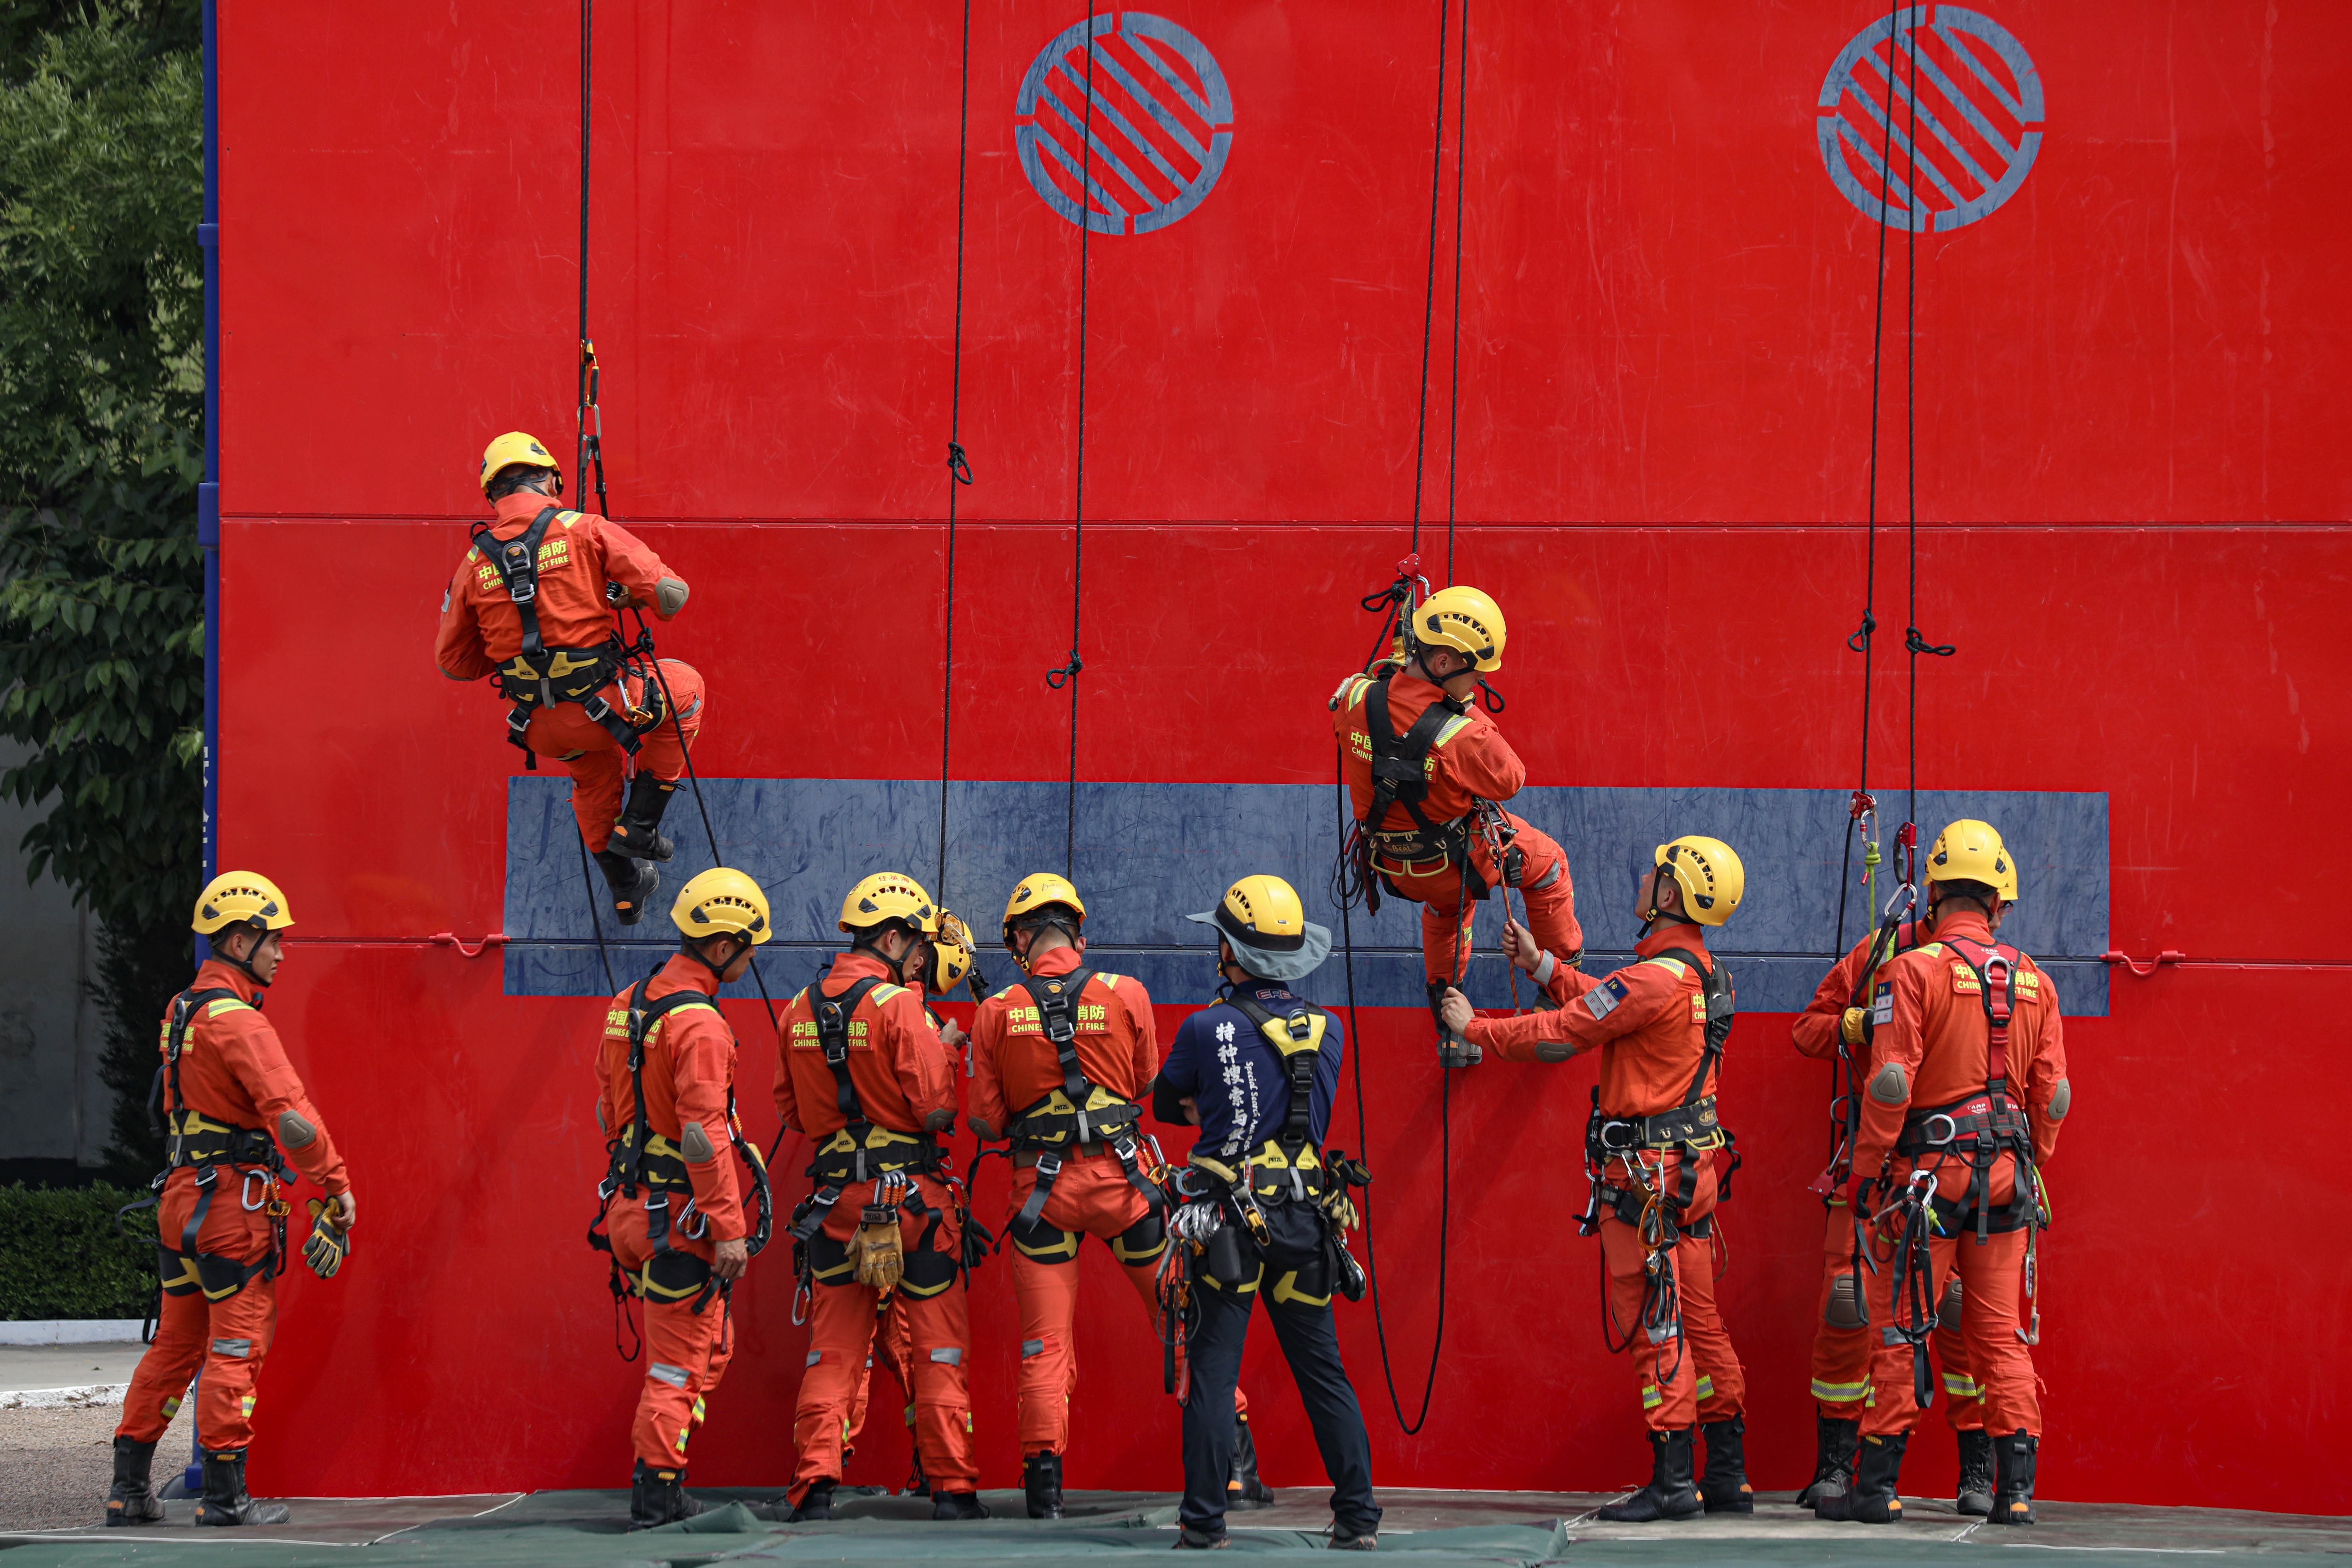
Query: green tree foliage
x,y
102,407
113,1273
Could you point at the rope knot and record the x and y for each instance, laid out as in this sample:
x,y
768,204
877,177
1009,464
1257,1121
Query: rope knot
x,y
1057,678
1860,641
959,467
1914,643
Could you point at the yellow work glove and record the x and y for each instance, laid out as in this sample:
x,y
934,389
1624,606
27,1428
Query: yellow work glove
x,y
1341,1208
1854,1026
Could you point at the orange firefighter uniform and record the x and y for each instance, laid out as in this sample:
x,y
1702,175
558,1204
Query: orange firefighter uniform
x,y
895,1092
1842,1346
1091,1189
1465,761
1939,1102
483,631
664,1234
1648,1020
232,1090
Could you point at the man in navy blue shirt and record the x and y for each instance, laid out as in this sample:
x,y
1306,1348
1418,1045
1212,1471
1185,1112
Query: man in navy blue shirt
x,y
1266,1213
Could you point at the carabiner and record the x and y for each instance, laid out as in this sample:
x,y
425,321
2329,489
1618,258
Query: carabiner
x,y
246,1197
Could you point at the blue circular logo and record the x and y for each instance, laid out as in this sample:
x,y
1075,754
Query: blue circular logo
x,y
1977,113
1123,123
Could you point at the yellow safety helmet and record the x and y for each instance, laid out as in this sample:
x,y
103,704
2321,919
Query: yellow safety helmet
x,y
1465,620
518,446
1712,878
950,955
889,896
1264,923
1972,851
1034,892
723,902
240,898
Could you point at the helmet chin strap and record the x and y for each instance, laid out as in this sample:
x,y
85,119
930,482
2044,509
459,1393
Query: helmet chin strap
x,y
689,946
261,934
1657,879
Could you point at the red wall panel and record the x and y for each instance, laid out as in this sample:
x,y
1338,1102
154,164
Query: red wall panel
x,y
2128,383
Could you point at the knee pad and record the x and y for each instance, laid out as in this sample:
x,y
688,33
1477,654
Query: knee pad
x,y
1845,1308
1141,1242
1948,1310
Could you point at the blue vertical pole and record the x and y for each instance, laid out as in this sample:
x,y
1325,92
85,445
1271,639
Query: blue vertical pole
x,y
208,533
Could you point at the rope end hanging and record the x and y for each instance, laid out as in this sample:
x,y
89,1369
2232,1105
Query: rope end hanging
x,y
1914,643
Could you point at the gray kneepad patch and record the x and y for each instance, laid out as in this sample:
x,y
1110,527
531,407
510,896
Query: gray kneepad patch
x,y
671,594
294,1132
695,1141
1844,1309
1890,1086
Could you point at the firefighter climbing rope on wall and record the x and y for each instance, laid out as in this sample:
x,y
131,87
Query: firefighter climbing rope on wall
x,y
532,604
1834,1028
1060,1059
1652,1147
235,1114
1427,770
680,1225
1264,1206
865,1075
1963,1094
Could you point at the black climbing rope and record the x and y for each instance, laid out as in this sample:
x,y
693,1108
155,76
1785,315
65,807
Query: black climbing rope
x,y
959,467
1913,643
1454,376
1429,288
1067,675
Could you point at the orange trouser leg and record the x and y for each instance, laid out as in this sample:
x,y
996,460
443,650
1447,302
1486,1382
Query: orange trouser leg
x,y
1550,909
1722,1384
1999,1361
565,733
241,1327
661,750
1047,1295
841,1333
1840,1353
1963,1396
182,1333
939,1337
686,1355
1666,1373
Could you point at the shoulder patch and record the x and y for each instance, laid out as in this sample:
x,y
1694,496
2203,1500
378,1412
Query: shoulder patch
x,y
1603,999
1882,1006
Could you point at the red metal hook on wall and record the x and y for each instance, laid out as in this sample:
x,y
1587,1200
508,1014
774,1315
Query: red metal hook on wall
x,y
449,939
2168,956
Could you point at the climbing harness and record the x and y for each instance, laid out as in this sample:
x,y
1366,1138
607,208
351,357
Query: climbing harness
x,y
1079,1114
539,676
194,1139
638,1156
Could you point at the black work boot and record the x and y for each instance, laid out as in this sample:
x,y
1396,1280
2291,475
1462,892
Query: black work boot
x,y
958,1505
1872,1499
633,883
1244,1490
1975,1494
637,831
132,1500
1355,1537
224,1500
1834,1442
1669,1494
1452,1049
2012,1459
658,1497
1724,1489
815,1503
1040,1479
1191,1540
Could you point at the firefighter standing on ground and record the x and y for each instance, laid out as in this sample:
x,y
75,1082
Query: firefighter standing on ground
x,y
1420,760
1266,1207
1833,1028
529,605
677,1227
232,1103
1654,1142
1060,1059
1963,1095
864,1074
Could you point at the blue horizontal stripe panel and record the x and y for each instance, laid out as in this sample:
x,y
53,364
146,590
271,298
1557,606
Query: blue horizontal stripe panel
x,y
1149,854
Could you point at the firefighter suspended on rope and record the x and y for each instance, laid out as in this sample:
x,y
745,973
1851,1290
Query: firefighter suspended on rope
x,y
532,607
1964,1091
681,1227
235,1114
1834,1028
865,1076
1263,1206
1659,1158
1426,771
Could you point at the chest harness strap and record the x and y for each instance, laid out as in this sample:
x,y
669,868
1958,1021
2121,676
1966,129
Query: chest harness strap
x,y
1081,1112
640,1156
540,676
1690,1128
1400,777
861,1150
1292,1167
195,1140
